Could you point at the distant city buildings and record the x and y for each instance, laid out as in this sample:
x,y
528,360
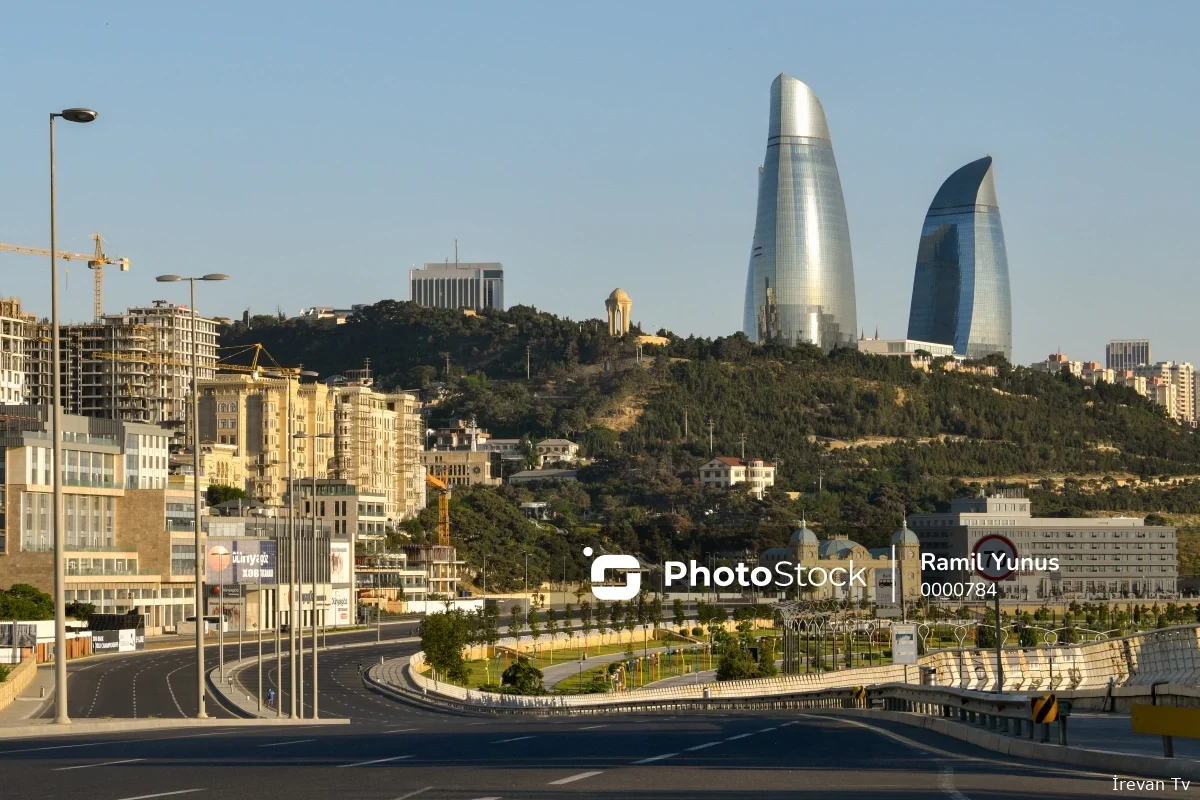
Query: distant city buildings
x,y
800,279
1170,384
460,457
1100,557
1122,354
961,294
458,286
724,472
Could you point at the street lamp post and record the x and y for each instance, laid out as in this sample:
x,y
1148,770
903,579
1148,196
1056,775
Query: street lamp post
x,y
315,554
81,115
199,589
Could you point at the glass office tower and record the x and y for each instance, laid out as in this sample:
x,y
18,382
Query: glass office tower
x,y
800,282
960,290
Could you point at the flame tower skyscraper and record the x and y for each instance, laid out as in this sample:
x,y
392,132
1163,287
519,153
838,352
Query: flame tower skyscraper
x,y
800,283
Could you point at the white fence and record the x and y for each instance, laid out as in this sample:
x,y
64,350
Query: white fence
x,y
1171,655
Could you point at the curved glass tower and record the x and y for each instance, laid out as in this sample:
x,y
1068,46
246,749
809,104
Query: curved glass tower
x,y
800,284
960,290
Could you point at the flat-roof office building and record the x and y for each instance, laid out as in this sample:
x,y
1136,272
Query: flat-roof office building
x,y
1098,557
465,286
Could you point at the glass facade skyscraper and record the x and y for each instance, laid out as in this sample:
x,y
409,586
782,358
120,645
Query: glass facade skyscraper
x,y
800,281
960,290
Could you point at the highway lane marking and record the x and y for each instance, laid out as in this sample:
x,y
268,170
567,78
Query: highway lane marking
x,y
161,794
113,741
593,727
946,784
376,761
414,793
931,750
516,739
573,778
739,736
477,723
765,730
103,764
403,730
700,746
496,797
654,758
281,744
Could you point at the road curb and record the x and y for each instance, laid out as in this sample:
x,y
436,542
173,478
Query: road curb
x,y
1105,761
44,728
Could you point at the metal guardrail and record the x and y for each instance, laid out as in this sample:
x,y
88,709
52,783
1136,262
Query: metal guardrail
x,y
1002,713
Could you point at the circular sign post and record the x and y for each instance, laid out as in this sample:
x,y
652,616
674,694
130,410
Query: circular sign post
x,y
995,559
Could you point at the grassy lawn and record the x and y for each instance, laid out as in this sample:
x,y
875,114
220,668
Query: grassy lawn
x,y
636,678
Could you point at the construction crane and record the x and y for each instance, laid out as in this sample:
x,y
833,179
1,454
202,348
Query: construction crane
x,y
443,523
95,262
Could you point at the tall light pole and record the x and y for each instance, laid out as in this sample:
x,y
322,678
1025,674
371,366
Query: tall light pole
x,y
82,115
528,599
316,550
199,590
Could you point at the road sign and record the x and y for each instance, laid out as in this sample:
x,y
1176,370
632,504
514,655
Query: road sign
x,y
1045,708
904,644
994,557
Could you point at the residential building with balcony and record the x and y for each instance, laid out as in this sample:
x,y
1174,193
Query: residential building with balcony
x,y
724,472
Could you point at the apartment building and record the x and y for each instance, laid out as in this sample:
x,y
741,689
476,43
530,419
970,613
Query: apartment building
x,y
1121,354
724,472
1175,383
351,432
120,515
1101,557
14,324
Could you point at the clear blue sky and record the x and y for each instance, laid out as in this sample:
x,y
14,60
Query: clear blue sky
x,y
315,151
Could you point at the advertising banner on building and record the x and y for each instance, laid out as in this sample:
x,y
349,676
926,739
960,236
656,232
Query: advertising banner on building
x,y
239,561
125,640
339,613
339,562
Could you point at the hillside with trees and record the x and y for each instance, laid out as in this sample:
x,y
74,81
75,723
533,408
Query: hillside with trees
x,y
860,440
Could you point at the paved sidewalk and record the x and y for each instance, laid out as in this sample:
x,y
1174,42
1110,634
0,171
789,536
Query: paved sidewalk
x,y
31,702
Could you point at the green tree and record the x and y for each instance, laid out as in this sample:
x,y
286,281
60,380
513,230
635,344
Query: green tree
x,y
614,618
24,602
443,637
516,621
585,622
680,616
736,664
218,493
523,677
551,629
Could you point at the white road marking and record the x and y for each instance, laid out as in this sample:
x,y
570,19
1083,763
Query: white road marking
x,y
102,764
376,761
114,741
946,784
700,746
517,739
593,727
281,744
404,730
573,778
764,730
161,794
654,758
414,793
477,723
784,725
739,736
497,797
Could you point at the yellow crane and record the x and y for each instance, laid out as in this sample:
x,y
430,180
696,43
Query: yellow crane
x,y
95,262
443,523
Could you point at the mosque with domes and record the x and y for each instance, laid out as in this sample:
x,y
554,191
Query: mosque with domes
x,y
810,553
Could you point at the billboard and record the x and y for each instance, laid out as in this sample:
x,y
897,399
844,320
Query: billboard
x,y
339,612
885,584
125,640
235,561
339,562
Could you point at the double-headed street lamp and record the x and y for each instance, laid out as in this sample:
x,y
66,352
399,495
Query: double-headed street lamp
x,y
199,590
81,115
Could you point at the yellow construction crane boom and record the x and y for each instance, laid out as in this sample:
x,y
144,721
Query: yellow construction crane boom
x,y
95,262
443,523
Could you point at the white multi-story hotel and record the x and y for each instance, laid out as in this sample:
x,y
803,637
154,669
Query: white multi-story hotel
x,y
724,472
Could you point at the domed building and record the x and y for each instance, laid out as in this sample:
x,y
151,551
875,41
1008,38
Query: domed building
x,y
872,568
619,306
